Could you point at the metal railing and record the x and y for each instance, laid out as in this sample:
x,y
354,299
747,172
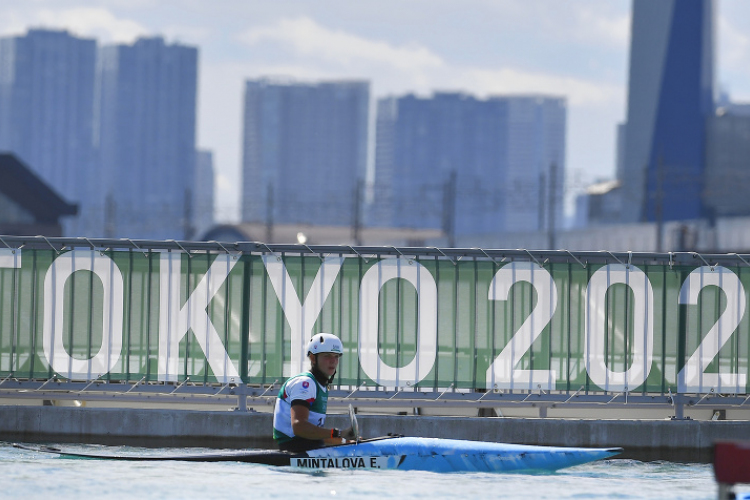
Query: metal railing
x,y
148,320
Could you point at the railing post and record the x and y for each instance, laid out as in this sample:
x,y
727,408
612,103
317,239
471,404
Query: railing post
x,y
241,391
679,407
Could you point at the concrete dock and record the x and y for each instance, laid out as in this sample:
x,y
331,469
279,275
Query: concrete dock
x,y
646,440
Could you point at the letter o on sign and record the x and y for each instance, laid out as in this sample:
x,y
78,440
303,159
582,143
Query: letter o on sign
x,y
642,310
369,296
54,314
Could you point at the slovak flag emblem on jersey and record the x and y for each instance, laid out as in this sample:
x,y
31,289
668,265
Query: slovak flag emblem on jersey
x,y
305,384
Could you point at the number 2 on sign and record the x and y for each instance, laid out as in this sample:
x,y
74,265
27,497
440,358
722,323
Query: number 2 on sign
x,y
693,376
503,374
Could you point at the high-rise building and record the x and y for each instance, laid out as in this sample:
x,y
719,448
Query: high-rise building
x,y
203,200
304,151
146,116
670,98
469,165
46,117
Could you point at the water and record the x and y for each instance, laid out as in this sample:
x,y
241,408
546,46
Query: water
x,y
30,475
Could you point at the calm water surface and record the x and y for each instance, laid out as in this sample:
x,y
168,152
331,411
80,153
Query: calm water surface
x,y
31,475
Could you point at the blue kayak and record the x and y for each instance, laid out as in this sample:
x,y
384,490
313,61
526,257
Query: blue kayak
x,y
402,453
391,452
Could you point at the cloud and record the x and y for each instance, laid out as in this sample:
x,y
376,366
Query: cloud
x,y
588,23
736,43
514,81
93,22
593,26
734,54
307,38
103,24
192,35
318,52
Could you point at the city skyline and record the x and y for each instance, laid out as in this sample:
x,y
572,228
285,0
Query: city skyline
x,y
577,50
111,129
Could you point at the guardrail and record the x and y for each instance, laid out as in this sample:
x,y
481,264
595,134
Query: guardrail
x,y
422,324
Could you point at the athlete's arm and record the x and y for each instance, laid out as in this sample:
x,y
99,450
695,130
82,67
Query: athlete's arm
x,y
303,428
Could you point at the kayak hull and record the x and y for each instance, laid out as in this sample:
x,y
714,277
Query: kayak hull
x,y
399,453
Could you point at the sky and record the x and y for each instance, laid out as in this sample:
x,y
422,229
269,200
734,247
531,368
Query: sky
x,y
577,49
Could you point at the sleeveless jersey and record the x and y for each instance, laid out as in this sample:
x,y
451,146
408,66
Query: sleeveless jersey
x,y
304,387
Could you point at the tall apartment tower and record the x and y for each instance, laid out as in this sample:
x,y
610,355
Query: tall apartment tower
x,y
146,115
468,165
46,117
304,151
670,97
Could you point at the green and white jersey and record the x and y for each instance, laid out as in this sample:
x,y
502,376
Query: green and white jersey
x,y
303,387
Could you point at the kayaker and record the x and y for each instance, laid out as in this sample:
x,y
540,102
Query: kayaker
x,y
300,412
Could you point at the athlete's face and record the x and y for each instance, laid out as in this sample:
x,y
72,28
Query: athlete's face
x,y
327,363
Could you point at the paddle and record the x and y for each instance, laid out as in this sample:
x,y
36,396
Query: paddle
x,y
355,426
355,430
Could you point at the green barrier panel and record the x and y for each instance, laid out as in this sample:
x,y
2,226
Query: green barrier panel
x,y
423,322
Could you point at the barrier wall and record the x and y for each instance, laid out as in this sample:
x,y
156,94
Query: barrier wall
x,y
421,319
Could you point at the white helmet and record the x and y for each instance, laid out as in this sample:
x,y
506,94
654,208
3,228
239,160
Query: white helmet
x,y
325,342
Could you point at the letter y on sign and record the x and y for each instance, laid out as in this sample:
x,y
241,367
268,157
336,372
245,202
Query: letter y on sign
x,y
301,316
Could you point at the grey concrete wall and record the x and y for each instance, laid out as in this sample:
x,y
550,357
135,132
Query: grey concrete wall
x,y
680,441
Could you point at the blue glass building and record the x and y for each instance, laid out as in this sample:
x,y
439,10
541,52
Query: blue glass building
x,y
46,116
304,151
670,98
146,120
467,165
